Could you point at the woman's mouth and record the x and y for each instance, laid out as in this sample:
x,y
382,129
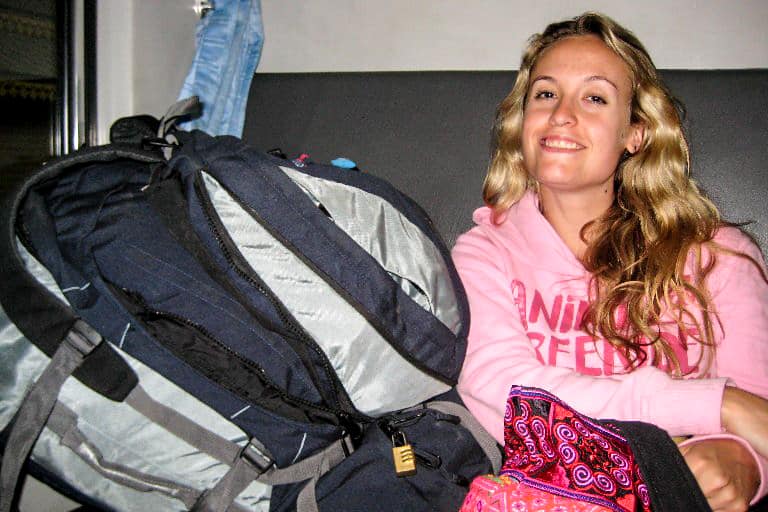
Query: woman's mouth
x,y
558,143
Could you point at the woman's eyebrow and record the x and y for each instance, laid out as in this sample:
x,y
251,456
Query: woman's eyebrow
x,y
588,79
600,77
543,77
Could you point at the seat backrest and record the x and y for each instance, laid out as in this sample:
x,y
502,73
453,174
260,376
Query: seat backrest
x,y
429,132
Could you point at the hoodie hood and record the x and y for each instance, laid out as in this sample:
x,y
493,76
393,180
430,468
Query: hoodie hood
x,y
524,231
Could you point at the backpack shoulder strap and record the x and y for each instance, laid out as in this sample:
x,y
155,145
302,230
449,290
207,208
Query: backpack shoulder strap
x,y
42,317
75,347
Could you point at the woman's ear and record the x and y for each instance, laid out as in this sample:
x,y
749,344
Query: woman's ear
x,y
635,137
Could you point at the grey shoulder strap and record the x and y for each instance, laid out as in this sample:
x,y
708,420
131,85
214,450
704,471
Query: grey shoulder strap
x,y
64,423
249,463
253,464
182,427
38,404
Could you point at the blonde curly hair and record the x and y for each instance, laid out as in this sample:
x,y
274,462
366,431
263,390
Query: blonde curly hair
x,y
638,249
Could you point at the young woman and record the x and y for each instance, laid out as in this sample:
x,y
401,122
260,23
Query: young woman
x,y
600,273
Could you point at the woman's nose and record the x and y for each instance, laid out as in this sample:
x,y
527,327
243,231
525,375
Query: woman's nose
x,y
563,114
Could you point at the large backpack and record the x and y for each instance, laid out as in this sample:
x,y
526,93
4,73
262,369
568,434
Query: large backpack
x,y
199,325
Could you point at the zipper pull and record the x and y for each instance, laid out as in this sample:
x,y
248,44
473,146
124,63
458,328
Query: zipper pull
x,y
403,455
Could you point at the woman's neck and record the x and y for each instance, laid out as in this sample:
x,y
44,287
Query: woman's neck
x,y
569,213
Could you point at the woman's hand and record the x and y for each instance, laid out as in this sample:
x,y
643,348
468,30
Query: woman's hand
x,y
746,415
726,472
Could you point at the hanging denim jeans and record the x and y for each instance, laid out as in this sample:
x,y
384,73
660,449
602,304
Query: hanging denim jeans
x,y
229,40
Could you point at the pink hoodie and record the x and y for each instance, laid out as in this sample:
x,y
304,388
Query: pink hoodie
x,y
527,292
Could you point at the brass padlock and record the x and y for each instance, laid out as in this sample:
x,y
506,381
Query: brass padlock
x,y
402,453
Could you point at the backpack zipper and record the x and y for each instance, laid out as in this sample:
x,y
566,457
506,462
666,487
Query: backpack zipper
x,y
269,383
346,413
139,308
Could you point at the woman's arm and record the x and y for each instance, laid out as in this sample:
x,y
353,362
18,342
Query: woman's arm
x,y
727,466
745,415
740,298
500,354
725,470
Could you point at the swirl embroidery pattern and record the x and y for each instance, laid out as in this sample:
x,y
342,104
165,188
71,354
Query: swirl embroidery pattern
x,y
504,494
551,447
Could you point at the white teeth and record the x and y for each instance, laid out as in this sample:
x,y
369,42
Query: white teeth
x,y
560,144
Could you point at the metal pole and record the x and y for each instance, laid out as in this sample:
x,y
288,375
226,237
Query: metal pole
x,y
63,76
91,135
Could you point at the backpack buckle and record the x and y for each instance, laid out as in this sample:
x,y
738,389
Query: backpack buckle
x,y
155,142
83,338
254,455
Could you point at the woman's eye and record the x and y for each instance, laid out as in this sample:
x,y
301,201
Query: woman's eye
x,y
544,95
593,98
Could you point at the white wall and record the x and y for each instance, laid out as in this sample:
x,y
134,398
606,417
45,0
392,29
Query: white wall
x,y
144,49
347,35
114,63
145,46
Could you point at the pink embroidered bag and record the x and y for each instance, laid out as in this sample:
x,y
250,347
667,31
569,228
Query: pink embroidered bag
x,y
558,460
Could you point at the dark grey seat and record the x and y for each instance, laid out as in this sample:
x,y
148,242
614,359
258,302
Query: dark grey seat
x,y
429,132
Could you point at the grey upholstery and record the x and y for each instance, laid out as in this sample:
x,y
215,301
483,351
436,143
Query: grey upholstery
x,y
429,132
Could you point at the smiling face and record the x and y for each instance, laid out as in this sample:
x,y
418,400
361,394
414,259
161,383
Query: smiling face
x,y
576,122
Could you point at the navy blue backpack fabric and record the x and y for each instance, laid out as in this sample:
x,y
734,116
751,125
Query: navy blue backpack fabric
x,y
131,241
